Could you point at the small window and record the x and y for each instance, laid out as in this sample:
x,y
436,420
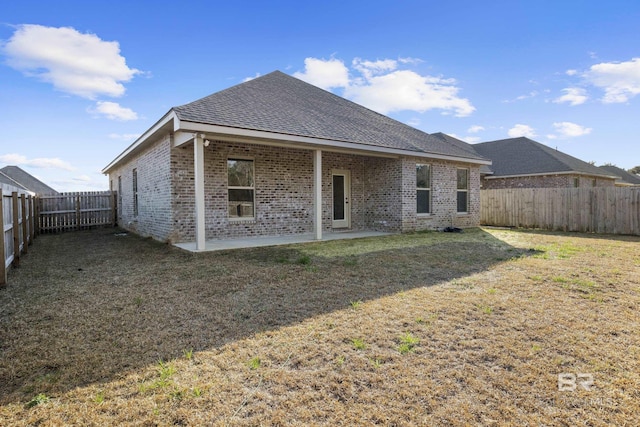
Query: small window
x,y
423,188
119,207
576,182
241,188
135,192
463,190
594,183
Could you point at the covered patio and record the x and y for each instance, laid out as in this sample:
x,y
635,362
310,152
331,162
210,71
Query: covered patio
x,y
255,242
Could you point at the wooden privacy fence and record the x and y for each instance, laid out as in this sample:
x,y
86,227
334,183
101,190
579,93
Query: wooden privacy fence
x,y
614,210
18,226
76,211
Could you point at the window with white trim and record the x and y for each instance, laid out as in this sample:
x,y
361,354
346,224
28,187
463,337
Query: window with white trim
x,y
423,189
135,192
119,207
241,189
463,190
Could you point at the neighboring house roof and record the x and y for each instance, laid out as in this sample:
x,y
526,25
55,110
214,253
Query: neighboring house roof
x,y
5,179
484,169
22,179
277,105
525,157
625,178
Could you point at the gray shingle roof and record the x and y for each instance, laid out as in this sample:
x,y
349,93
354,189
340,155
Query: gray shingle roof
x,y
523,156
27,181
484,169
625,177
283,104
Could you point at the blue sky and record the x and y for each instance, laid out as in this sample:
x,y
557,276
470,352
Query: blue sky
x,y
79,80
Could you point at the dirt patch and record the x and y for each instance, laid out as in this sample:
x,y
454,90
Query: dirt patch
x,y
426,328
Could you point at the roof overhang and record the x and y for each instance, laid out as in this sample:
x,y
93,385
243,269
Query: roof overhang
x,y
527,175
183,132
161,126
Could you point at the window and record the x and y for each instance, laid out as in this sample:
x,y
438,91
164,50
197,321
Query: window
x,y
241,188
119,207
463,190
594,183
135,192
576,182
423,188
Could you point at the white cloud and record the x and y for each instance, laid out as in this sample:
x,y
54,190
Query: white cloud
x,y
521,130
373,68
409,60
475,129
471,139
407,90
124,136
572,95
246,79
75,63
385,88
571,72
531,94
113,111
414,121
40,162
571,130
325,74
619,80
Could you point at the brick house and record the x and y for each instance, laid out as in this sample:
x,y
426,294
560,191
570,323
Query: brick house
x,y
276,156
524,163
624,178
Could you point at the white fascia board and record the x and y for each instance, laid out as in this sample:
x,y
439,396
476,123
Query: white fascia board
x,y
171,115
528,175
272,138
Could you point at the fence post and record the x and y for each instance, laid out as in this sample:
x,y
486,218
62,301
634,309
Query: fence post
x,y
3,256
114,210
16,230
78,212
32,221
25,235
36,204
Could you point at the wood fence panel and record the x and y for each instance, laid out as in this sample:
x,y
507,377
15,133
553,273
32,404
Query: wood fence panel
x,y
75,211
613,210
15,219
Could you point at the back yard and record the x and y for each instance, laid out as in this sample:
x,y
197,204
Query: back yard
x,y
98,328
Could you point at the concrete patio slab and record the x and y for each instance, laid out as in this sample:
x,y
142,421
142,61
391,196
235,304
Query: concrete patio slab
x,y
254,242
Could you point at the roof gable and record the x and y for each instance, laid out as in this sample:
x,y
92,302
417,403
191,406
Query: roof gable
x,y
282,104
523,156
26,180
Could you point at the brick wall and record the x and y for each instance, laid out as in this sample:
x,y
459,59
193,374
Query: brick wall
x,y
154,197
383,192
546,181
443,196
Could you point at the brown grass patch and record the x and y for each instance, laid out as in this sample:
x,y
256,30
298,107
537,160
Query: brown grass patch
x,y
419,329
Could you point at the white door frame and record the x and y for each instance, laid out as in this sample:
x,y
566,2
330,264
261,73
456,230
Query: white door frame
x,y
344,215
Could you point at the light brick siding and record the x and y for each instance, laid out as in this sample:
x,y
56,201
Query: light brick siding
x,y
546,181
154,195
443,196
383,192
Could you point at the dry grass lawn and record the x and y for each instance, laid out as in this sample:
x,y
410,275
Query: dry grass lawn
x,y
419,329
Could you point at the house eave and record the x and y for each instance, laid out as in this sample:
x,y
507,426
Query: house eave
x,y
225,133
549,174
142,140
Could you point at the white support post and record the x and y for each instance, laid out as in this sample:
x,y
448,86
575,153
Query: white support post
x,y
198,171
317,194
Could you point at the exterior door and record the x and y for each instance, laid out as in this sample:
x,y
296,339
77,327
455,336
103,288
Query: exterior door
x,y
341,185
